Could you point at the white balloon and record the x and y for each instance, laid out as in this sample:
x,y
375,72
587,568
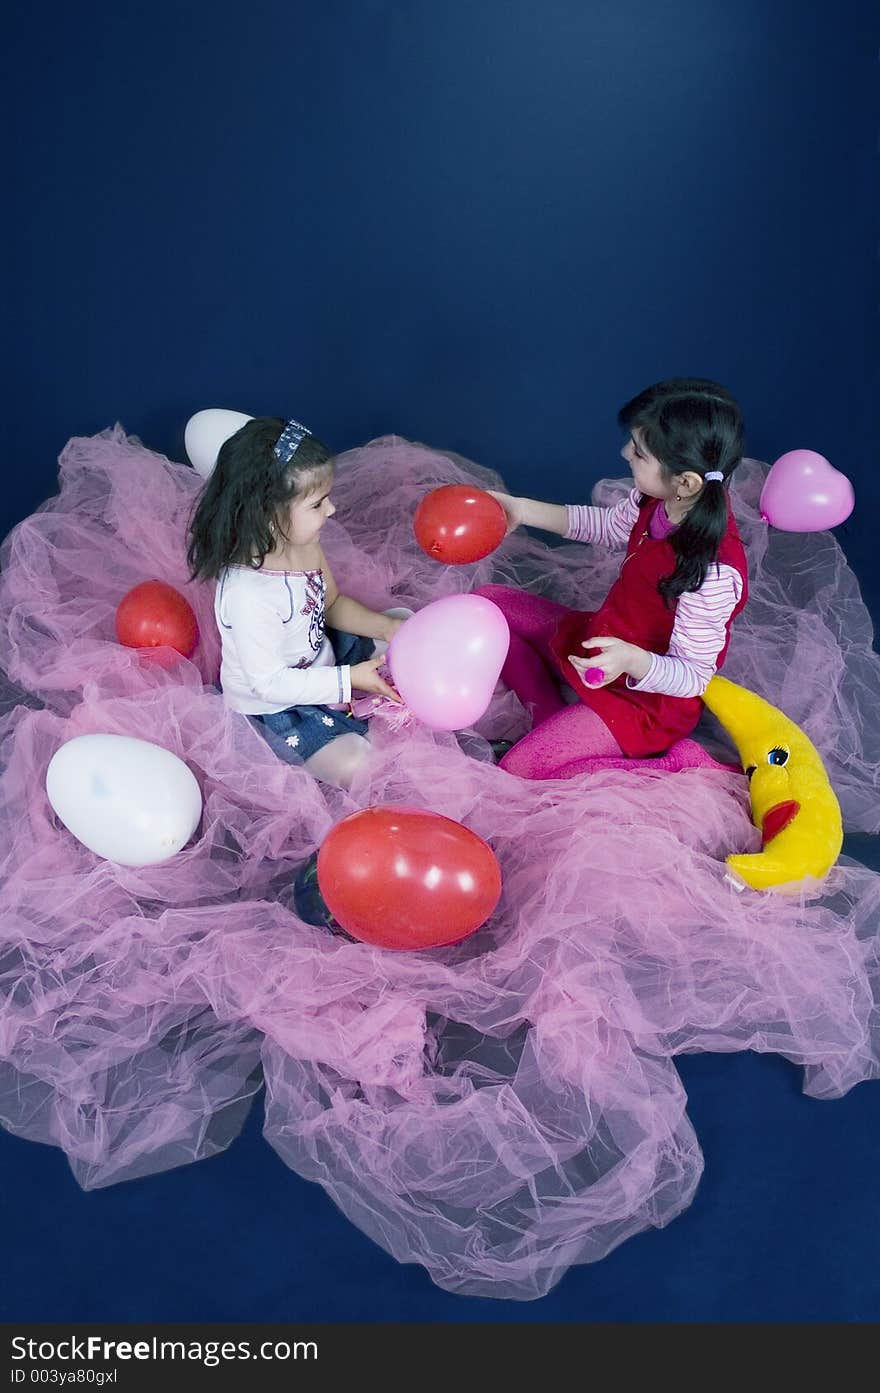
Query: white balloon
x,y
129,801
206,432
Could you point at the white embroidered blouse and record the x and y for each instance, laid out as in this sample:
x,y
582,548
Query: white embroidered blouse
x,y
275,651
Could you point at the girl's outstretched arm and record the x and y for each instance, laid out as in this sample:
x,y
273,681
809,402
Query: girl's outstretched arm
x,y
609,527
354,618
350,616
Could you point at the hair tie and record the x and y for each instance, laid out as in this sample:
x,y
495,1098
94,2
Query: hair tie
x,y
289,441
713,475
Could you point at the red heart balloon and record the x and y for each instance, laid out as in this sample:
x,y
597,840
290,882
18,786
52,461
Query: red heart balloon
x,y
402,877
459,523
154,615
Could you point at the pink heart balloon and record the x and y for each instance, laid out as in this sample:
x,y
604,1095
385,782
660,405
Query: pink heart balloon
x,y
804,493
446,660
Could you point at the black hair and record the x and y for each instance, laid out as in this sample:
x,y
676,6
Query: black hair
x,y
691,425
240,510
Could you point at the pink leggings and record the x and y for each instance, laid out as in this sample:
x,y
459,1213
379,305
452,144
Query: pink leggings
x,y
563,738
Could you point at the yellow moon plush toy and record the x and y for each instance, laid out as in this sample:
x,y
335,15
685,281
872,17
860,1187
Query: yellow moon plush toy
x,y
793,803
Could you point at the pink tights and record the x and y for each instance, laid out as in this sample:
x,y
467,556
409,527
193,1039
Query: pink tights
x,y
563,738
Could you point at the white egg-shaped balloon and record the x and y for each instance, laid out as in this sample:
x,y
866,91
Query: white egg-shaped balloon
x,y
129,801
206,432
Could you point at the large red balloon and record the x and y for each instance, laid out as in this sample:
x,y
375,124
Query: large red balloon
x,y
155,615
459,523
405,878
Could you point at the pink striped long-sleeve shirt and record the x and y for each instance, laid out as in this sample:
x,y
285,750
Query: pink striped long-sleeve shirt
x,y
701,616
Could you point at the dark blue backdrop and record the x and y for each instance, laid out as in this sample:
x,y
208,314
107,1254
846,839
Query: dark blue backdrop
x,y
482,224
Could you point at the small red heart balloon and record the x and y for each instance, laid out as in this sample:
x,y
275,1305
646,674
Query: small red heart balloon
x,y
155,615
459,523
402,877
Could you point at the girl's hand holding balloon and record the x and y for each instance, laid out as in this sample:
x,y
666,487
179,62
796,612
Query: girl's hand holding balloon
x,y
616,658
512,509
365,677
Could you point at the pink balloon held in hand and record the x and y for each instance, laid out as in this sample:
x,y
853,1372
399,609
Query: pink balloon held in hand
x,y
447,659
592,675
804,493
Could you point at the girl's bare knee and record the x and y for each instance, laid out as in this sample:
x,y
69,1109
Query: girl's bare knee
x,y
338,762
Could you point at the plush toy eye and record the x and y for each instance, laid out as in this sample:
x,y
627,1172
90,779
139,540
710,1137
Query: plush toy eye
x,y
778,755
750,769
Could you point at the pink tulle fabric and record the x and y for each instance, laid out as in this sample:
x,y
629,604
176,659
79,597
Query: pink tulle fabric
x,y
497,1110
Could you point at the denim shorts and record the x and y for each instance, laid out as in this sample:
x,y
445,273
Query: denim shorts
x,y
300,731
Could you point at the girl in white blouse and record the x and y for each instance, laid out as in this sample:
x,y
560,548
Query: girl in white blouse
x,y
256,531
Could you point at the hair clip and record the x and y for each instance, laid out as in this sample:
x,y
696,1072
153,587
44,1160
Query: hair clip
x,y
289,441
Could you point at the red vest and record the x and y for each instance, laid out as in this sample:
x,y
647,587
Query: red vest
x,y
643,723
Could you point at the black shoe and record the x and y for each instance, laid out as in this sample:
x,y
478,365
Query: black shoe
x,y
500,748
308,902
